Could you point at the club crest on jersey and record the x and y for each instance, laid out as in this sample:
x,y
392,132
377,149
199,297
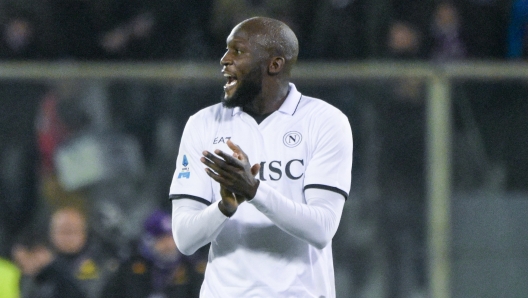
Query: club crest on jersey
x,y
185,173
292,139
219,140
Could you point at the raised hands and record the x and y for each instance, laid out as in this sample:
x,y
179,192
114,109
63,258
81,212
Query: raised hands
x,y
235,175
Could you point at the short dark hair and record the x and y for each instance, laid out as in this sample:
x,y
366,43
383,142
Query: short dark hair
x,y
276,37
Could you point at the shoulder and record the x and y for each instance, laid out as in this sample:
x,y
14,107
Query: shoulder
x,y
211,113
319,110
201,122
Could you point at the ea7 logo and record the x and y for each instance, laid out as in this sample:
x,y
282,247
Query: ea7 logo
x,y
219,140
292,139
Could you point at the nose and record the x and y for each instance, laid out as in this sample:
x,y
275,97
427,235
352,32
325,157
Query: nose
x,y
225,60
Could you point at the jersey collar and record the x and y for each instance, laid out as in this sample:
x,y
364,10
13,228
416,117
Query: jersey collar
x,y
289,106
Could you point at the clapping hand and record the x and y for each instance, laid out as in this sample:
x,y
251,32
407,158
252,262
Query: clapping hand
x,y
235,175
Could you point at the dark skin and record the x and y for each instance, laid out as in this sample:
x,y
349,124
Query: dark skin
x,y
235,175
245,51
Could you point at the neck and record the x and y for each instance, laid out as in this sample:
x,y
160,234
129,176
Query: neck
x,y
270,100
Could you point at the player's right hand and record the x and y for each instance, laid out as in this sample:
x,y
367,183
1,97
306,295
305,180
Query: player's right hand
x,y
231,201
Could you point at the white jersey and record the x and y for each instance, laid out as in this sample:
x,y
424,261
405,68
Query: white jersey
x,y
307,143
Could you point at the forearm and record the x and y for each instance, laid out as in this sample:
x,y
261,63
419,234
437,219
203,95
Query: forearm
x,y
194,224
315,222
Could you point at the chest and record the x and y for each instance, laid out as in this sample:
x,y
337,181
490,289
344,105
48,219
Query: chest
x,y
280,144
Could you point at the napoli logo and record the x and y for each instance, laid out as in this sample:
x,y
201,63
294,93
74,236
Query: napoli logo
x,y
292,139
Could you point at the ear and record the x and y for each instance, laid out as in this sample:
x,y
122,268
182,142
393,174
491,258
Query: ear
x,y
276,65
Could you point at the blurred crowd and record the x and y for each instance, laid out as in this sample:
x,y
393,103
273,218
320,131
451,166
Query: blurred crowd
x,y
84,210
196,30
85,166
63,258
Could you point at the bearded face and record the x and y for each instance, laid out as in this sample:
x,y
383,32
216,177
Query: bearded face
x,y
247,89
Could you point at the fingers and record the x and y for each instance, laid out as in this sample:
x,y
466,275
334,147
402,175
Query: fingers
x,y
255,169
227,183
233,146
221,161
238,156
233,171
216,177
236,149
216,166
229,159
220,170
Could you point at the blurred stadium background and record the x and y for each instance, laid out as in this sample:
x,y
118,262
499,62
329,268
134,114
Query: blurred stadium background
x,y
440,178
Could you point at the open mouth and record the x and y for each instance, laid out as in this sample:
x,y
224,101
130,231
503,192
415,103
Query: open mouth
x,y
231,81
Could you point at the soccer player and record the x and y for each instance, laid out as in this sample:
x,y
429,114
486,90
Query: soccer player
x,y
277,174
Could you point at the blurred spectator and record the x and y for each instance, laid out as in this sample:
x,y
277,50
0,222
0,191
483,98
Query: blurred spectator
x,y
25,32
404,41
125,30
131,39
86,163
60,118
10,281
19,39
155,30
36,259
107,167
85,258
93,166
447,42
518,24
401,128
157,268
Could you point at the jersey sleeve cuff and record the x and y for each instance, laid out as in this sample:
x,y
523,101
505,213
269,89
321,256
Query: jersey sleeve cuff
x,y
263,191
191,197
219,216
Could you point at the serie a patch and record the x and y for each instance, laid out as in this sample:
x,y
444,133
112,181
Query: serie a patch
x,y
185,172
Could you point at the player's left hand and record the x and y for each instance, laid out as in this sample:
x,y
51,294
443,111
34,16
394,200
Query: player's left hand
x,y
233,172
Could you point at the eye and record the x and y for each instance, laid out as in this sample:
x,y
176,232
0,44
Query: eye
x,y
238,52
